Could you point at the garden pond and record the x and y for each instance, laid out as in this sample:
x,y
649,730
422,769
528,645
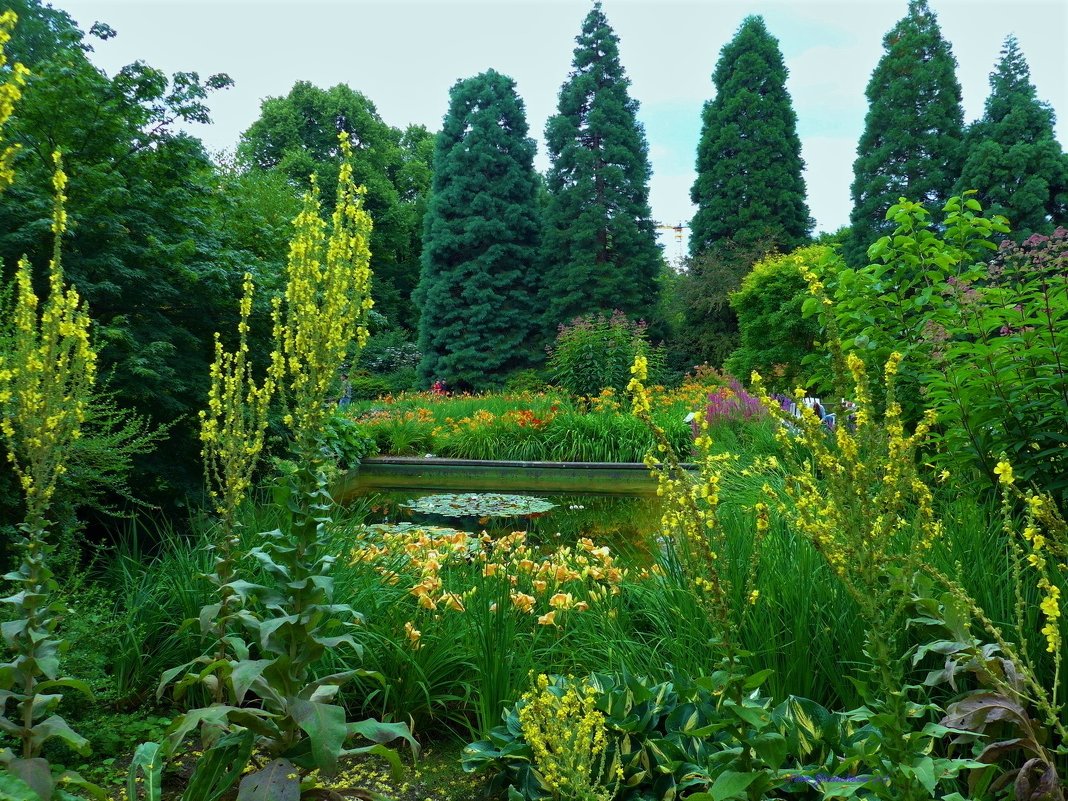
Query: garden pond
x,y
622,522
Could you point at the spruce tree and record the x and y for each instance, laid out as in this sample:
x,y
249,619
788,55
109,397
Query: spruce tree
x,y
480,239
749,185
911,145
600,249
1014,159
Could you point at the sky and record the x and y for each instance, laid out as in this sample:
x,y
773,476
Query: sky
x,y
406,54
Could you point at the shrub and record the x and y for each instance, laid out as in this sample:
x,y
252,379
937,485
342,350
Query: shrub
x,y
1000,365
985,345
368,387
403,380
389,351
525,381
596,351
775,335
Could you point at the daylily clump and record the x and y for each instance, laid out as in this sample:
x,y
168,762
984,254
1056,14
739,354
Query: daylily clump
x,y
445,570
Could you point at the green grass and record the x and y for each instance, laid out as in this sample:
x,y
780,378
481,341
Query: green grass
x,y
804,628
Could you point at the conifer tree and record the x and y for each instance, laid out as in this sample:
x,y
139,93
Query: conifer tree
x,y
911,145
600,249
1013,157
480,239
749,185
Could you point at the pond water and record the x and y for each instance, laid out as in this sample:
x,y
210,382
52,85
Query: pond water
x,y
624,523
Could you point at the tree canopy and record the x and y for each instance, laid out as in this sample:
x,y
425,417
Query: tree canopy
x,y
297,136
749,185
480,239
143,245
600,251
911,144
1013,156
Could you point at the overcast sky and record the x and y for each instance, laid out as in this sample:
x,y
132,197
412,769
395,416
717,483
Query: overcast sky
x,y
405,55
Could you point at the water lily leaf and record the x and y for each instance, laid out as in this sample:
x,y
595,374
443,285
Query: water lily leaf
x,y
480,505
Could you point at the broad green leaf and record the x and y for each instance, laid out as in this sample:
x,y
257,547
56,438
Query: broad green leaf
x,y
278,781
37,774
325,726
147,765
55,726
771,747
391,756
13,788
378,732
244,674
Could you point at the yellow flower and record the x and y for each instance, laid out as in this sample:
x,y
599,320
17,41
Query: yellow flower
x,y
562,600
548,619
1004,472
413,634
452,602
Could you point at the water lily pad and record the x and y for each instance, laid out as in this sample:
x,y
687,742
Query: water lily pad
x,y
415,529
481,504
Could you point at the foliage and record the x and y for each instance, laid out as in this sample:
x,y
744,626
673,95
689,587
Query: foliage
x,y
775,336
388,351
346,443
1013,157
546,427
530,380
749,186
911,145
500,598
595,352
709,329
47,372
143,245
478,284
859,499
982,344
297,135
674,737
599,251
888,305
325,309
995,720
1003,385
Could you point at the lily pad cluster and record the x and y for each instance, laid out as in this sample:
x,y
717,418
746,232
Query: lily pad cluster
x,y
481,504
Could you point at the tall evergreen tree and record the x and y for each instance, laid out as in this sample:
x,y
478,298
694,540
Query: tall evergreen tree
x,y
749,185
600,249
480,239
911,145
1014,159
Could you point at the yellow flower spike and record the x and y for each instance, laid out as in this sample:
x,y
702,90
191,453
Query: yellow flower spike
x,y
47,370
234,426
326,303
